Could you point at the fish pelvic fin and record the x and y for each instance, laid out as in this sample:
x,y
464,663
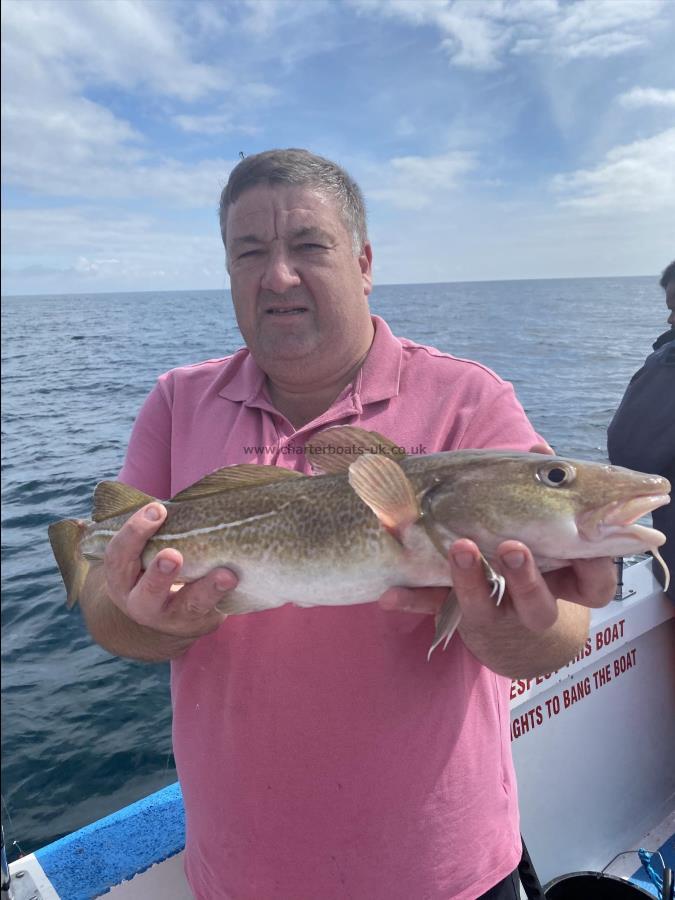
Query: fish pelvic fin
x,y
65,536
333,450
383,486
112,498
447,620
496,581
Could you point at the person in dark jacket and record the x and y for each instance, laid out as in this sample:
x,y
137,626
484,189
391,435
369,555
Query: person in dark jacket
x,y
642,433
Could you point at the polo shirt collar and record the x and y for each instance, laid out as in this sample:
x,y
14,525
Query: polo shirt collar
x,y
380,374
377,379
246,380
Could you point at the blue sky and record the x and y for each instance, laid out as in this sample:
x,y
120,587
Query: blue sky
x,y
492,138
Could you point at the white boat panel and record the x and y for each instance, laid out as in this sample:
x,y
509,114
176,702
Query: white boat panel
x,y
593,750
30,865
165,880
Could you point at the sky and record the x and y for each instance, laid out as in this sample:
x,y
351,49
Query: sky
x,y
493,139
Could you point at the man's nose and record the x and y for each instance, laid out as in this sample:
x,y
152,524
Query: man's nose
x,y
279,274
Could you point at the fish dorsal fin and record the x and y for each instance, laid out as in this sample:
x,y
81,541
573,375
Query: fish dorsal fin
x,y
334,450
383,486
112,498
232,478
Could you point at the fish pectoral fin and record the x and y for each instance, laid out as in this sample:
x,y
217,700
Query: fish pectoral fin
x,y
497,581
383,486
112,498
447,620
231,478
334,450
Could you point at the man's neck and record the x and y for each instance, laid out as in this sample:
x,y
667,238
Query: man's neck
x,y
301,403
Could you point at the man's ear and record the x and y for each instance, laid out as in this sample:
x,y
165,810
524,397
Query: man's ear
x,y
366,264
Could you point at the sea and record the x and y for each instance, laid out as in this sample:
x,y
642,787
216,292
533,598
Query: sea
x,y
84,733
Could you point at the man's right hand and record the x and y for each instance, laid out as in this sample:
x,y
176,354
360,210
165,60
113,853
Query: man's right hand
x,y
151,598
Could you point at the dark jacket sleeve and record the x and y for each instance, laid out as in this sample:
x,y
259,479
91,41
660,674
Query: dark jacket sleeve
x,y
642,433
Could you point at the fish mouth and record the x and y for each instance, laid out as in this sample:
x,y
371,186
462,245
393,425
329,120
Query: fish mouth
x,y
619,517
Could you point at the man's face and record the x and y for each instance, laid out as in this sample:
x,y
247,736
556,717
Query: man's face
x,y
299,292
670,301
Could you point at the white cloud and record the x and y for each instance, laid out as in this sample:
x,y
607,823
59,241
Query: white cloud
x,y
262,16
588,17
95,266
229,120
288,32
639,97
76,123
601,46
211,18
414,182
122,251
57,141
127,43
478,34
637,177
469,33
213,123
74,169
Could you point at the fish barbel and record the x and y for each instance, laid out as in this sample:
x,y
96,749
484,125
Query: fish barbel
x,y
374,520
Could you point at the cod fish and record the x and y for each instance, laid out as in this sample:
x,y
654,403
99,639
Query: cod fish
x,y
374,519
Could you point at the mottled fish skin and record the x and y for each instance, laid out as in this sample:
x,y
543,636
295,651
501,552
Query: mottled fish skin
x,y
309,541
314,541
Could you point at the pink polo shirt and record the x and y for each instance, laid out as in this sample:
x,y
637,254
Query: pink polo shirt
x,y
321,756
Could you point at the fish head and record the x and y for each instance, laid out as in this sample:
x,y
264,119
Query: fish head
x,y
560,508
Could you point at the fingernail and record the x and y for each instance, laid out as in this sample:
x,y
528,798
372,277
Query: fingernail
x,y
223,582
464,559
152,514
514,559
166,566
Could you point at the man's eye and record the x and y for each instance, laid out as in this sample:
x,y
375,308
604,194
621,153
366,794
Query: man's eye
x,y
312,247
249,253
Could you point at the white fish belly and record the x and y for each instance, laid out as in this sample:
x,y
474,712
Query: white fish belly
x,y
320,582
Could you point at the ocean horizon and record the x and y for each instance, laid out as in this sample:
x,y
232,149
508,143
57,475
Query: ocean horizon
x,y
401,284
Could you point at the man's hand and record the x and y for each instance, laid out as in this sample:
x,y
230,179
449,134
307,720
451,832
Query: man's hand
x,y
530,605
542,620
147,598
531,597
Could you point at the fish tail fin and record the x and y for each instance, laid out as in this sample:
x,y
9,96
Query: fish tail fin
x,y
447,620
65,536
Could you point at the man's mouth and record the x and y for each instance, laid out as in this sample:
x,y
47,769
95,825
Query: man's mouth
x,y
285,310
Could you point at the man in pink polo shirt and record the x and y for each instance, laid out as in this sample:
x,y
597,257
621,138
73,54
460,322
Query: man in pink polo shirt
x,y
320,756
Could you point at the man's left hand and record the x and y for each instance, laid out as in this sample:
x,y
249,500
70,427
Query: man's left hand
x,y
531,597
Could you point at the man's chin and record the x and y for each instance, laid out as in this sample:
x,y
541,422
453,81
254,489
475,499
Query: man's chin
x,y
287,349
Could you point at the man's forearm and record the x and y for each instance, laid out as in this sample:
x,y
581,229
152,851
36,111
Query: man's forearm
x,y
120,635
512,650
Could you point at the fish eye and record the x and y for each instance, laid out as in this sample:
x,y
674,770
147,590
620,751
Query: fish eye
x,y
556,475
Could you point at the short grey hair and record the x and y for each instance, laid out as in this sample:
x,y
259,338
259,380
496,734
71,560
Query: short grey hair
x,y
667,275
299,167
